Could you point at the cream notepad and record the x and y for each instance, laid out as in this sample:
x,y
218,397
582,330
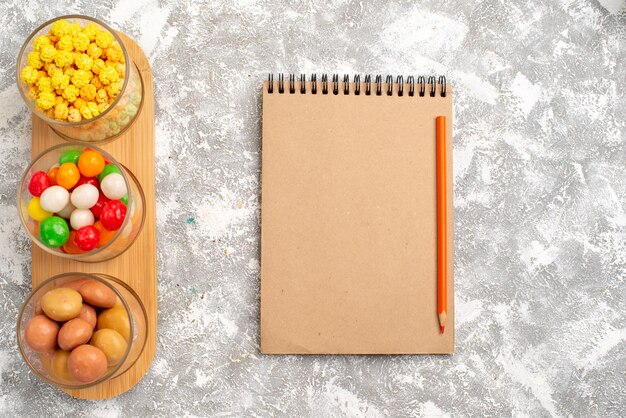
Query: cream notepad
x,y
349,220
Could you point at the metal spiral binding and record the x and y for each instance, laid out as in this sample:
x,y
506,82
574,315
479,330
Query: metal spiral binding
x,y
389,82
433,86
411,81
281,83
399,85
422,82
292,83
442,81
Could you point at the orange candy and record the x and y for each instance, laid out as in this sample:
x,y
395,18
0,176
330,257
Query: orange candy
x,y
90,163
52,174
33,226
68,175
70,246
105,234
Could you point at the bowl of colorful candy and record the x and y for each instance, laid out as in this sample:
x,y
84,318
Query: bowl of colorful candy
x,y
78,202
74,72
76,330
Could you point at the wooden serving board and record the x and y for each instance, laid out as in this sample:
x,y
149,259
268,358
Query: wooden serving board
x,y
137,266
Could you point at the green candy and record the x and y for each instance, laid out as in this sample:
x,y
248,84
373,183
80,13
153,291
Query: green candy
x,y
69,157
124,200
108,169
54,231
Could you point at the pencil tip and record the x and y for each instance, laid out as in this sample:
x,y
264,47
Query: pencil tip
x,y
443,327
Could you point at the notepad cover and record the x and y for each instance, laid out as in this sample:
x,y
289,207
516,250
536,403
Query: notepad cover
x,y
349,224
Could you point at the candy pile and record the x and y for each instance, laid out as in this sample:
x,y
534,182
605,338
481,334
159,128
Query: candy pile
x,y
81,330
74,72
79,204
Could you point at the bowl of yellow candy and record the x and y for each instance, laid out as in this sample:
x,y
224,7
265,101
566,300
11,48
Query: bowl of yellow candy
x,y
74,72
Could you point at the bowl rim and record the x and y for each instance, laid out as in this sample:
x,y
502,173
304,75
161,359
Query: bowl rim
x,y
29,102
124,171
94,276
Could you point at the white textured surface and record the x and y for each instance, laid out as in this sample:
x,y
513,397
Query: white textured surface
x,y
540,206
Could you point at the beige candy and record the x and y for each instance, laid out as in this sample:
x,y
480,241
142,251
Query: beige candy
x,y
62,304
116,319
112,344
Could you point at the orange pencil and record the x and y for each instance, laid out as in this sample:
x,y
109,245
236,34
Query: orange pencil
x,y
442,225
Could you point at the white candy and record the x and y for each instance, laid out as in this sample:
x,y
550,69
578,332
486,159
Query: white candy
x,y
85,196
66,212
113,186
80,218
54,199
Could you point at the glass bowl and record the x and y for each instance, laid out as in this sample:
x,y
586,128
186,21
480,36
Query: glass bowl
x,y
118,241
127,318
109,124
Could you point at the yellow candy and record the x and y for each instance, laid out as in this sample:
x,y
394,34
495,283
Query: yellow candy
x,y
98,66
93,51
102,96
102,107
71,93
29,75
81,41
65,43
44,84
114,89
83,62
88,92
91,30
50,68
121,69
104,39
35,61
35,210
81,78
75,29
61,111
90,110
115,53
64,59
60,80
96,82
46,99
40,41
60,27
32,93
74,115
109,75
79,103
47,53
